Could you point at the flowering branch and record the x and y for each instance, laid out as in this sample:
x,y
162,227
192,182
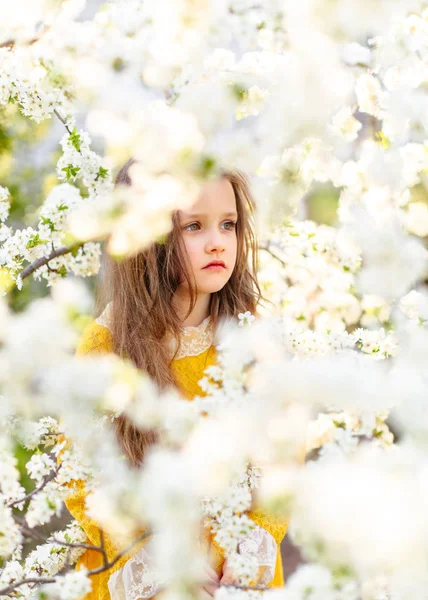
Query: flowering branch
x,y
37,580
41,538
44,260
46,480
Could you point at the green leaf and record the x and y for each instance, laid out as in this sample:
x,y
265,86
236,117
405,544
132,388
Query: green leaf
x,y
62,271
48,222
36,241
102,173
75,140
51,504
70,171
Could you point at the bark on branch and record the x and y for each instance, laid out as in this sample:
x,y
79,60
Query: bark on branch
x,y
118,556
44,260
272,249
45,481
42,580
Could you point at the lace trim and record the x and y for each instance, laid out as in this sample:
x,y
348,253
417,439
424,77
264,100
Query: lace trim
x,y
261,545
136,580
105,316
194,340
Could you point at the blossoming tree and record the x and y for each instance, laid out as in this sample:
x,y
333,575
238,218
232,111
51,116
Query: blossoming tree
x,y
297,94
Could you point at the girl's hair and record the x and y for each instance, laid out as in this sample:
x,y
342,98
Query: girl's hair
x,y
141,288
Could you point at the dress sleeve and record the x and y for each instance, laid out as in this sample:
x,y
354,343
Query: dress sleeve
x,y
276,526
96,339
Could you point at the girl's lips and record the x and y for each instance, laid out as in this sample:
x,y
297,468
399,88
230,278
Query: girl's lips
x,y
214,268
215,265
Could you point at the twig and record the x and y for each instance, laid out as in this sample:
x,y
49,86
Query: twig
x,y
119,556
11,43
51,539
47,479
270,248
8,44
102,547
43,260
10,588
257,588
61,118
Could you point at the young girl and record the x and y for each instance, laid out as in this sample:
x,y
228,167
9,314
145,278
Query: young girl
x,y
162,311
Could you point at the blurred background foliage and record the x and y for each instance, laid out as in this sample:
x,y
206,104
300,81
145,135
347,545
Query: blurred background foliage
x,y
322,203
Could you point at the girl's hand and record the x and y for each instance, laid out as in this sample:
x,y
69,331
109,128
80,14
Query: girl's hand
x,y
228,577
213,581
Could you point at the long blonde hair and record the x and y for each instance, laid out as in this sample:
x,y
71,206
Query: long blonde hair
x,y
141,289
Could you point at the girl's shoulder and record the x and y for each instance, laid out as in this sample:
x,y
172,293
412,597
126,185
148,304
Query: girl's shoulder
x,y
97,337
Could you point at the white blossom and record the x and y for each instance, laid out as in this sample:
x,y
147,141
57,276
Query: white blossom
x,y
345,125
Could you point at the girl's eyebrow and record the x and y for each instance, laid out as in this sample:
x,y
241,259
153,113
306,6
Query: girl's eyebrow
x,y
201,215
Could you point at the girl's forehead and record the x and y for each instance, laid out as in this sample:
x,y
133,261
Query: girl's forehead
x,y
215,197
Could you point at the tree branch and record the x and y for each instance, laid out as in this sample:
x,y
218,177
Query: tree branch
x,y
61,118
47,479
51,539
103,548
270,248
44,260
119,556
107,565
10,588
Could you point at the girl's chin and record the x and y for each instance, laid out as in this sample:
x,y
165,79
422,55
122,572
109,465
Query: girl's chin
x,y
211,289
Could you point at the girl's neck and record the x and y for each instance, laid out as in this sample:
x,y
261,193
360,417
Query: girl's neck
x,y
200,311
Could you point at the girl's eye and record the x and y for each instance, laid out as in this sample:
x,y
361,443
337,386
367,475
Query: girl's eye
x,y
229,225
191,227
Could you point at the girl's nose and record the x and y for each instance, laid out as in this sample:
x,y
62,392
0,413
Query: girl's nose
x,y
215,242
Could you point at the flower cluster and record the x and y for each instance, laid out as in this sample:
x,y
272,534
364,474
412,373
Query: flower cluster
x,y
25,81
30,244
227,519
79,161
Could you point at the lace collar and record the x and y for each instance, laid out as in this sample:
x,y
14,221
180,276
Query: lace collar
x,y
194,340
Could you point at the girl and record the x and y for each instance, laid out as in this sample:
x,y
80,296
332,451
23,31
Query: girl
x,y
162,310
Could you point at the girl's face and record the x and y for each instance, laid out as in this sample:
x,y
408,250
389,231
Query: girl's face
x,y
208,229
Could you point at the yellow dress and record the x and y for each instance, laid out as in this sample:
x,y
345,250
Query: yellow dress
x,y
188,370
